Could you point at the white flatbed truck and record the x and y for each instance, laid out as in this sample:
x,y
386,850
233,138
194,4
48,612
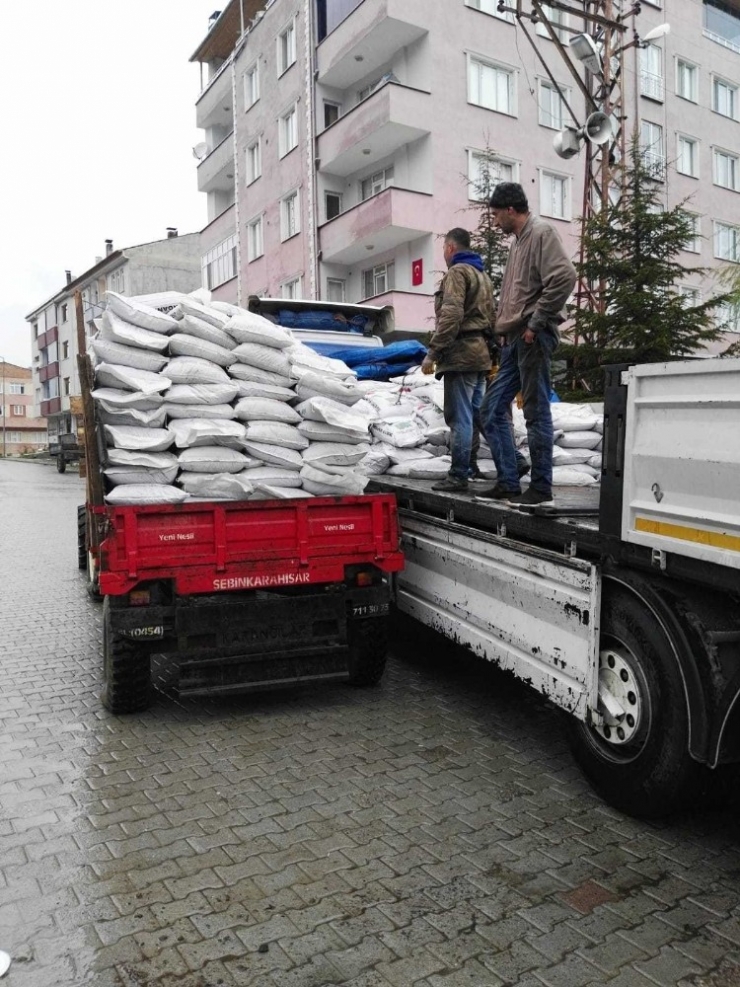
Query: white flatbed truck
x,y
622,603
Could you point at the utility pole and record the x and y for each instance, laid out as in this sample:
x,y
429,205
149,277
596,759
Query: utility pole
x,y
5,407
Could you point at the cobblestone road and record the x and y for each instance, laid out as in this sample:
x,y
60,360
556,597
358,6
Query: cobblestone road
x,y
431,832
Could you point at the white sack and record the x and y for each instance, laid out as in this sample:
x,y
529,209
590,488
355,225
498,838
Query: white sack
x,y
112,399
207,432
275,433
322,432
130,379
192,370
146,460
116,330
403,433
331,484
118,475
313,384
322,454
224,411
398,455
275,455
201,394
572,417
226,308
193,326
596,461
130,416
108,351
216,486
303,358
243,371
374,462
386,405
145,493
276,476
266,491
250,389
183,345
566,457
139,314
563,476
333,413
583,468
138,438
579,440
191,306
263,357
212,459
253,328
266,410
423,469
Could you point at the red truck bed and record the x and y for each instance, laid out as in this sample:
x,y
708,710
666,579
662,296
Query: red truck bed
x,y
213,547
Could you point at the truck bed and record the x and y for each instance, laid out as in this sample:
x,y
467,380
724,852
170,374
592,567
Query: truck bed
x,y
578,523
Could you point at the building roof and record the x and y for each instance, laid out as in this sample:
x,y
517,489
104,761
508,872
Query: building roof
x,y
8,370
226,31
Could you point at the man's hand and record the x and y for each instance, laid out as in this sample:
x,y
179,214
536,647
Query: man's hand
x,y
427,366
528,336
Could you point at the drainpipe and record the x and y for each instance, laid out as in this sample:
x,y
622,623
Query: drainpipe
x,y
311,152
236,182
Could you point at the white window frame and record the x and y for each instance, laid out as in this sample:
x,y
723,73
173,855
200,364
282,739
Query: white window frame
x,y
694,142
220,263
337,106
693,246
290,214
378,181
732,234
476,64
251,85
255,238
284,134
732,88
342,292
559,21
733,166
490,7
292,288
327,193
694,77
493,161
545,117
546,202
253,161
690,291
287,47
652,80
386,271
654,160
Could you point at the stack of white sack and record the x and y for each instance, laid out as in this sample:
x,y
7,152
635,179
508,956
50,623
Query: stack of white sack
x,y
578,432
208,401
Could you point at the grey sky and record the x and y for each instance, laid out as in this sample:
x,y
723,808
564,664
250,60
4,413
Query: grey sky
x,y
98,112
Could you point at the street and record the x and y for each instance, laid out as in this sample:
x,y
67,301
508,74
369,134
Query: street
x,y
432,831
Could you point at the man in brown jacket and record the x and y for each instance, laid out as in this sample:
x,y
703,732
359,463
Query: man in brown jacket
x,y
538,279
458,351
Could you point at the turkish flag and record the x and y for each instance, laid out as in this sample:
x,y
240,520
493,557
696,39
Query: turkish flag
x,y
417,272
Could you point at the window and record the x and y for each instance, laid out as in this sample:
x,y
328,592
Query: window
x,y
727,242
725,169
291,289
693,244
651,72
691,296
19,410
727,316
376,183
332,112
687,158
333,202
35,327
687,80
64,313
17,388
219,264
255,241
15,437
65,351
379,279
290,216
724,98
66,386
487,170
490,7
722,23
491,86
554,195
651,142
254,161
251,85
286,48
335,290
288,131
552,107
558,19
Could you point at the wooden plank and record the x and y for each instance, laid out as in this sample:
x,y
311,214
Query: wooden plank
x,y
87,382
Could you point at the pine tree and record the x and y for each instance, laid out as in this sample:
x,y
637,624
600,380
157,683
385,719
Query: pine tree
x,y
631,249
486,239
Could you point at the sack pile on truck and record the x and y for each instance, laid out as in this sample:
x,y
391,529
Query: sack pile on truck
x,y
201,400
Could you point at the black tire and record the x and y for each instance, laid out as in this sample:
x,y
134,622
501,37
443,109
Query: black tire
x,y
368,650
81,536
61,463
641,763
126,672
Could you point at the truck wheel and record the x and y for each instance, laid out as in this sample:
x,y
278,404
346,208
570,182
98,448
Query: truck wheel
x,y
638,758
126,675
61,463
368,650
81,536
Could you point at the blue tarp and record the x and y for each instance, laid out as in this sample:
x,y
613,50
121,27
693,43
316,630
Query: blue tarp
x,y
321,320
376,362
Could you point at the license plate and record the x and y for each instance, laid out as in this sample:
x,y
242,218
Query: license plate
x,y
148,633
371,610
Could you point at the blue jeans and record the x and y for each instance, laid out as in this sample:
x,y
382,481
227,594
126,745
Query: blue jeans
x,y
526,368
463,395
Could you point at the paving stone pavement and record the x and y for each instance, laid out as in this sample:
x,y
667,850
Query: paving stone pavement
x,y
430,832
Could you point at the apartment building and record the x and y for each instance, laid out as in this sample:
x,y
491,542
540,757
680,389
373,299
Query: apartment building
x,y
22,431
171,264
353,132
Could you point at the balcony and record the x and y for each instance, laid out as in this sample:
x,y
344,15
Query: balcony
x,y
48,372
47,338
216,171
51,407
368,38
214,107
393,116
652,86
381,223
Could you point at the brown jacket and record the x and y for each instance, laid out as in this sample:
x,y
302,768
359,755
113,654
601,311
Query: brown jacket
x,y
538,279
464,308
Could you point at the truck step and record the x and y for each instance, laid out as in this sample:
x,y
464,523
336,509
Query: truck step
x,y
238,688
249,673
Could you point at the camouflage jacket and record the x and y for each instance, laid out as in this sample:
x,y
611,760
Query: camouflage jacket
x,y
464,310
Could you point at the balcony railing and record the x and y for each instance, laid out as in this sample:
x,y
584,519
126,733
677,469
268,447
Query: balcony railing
x,y
652,85
48,372
47,338
655,165
52,406
216,94
214,169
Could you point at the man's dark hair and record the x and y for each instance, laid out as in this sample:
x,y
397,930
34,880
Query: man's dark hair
x,y
508,194
460,237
